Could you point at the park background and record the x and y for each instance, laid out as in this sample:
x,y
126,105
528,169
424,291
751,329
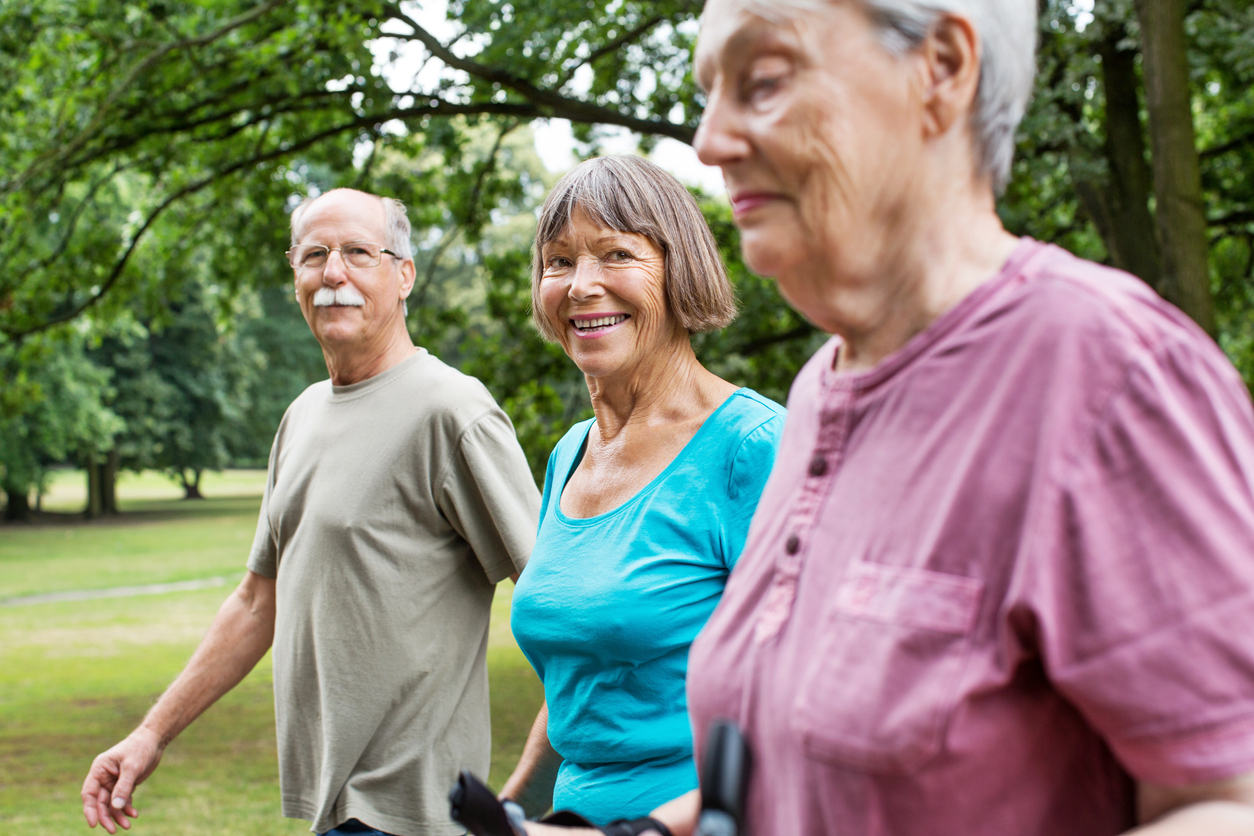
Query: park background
x,y
149,155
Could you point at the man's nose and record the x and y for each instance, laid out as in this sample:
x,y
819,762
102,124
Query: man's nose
x,y
335,271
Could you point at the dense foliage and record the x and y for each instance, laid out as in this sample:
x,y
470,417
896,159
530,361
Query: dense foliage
x,y
149,151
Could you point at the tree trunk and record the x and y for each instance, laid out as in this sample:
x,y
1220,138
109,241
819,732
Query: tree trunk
x,y
1121,210
1180,212
191,490
95,505
18,507
109,482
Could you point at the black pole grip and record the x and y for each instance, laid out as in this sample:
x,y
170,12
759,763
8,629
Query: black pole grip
x,y
724,780
476,808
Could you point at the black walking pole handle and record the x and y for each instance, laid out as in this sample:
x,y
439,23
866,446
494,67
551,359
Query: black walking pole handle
x,y
724,780
476,808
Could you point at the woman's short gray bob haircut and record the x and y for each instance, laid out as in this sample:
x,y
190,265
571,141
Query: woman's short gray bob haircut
x,y
1007,30
631,194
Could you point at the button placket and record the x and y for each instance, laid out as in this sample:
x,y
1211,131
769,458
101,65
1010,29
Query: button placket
x,y
833,433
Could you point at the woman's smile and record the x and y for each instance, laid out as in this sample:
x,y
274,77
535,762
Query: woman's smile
x,y
590,326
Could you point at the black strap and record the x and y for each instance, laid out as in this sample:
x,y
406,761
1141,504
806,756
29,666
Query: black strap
x,y
623,827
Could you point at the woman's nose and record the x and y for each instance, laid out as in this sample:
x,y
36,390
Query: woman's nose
x,y
586,278
719,140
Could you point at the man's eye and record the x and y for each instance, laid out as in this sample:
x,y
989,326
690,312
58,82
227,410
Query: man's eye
x,y
355,249
314,256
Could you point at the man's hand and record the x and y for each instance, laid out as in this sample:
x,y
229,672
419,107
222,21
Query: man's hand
x,y
113,776
239,636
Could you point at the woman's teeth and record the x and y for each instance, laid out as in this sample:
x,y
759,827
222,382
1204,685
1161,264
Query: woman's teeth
x,y
602,322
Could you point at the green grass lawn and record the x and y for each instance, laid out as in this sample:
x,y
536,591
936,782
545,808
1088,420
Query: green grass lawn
x,y
75,677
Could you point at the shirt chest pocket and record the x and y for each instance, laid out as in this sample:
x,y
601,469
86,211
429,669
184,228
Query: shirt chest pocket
x,y
885,671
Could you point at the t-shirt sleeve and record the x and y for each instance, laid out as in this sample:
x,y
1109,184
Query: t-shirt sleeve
x,y
263,558
489,496
750,468
1145,571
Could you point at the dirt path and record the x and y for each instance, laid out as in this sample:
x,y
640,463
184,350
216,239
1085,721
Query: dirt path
x,y
119,591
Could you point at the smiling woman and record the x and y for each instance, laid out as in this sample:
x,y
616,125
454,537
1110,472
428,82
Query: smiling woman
x,y
646,507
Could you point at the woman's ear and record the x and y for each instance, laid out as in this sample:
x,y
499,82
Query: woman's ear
x,y
951,59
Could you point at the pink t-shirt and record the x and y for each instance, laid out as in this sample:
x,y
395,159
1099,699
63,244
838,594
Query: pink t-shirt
x,y
998,576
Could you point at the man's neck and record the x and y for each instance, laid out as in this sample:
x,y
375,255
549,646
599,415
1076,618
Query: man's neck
x,y
347,366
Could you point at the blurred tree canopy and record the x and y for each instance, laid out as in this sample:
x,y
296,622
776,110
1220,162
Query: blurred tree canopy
x,y
150,152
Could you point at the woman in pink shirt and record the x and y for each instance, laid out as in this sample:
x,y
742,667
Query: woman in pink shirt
x,y
1001,579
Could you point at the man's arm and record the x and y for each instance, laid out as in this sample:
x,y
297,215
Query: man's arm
x,y
1219,808
240,635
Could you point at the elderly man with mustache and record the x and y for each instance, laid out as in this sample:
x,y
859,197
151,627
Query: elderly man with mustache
x,y
397,498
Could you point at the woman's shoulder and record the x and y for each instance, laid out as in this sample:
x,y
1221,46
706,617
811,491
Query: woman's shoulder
x,y
571,443
741,444
745,431
746,412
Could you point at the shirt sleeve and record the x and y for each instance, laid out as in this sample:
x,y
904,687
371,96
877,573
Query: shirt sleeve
x,y
490,497
1145,571
263,557
750,468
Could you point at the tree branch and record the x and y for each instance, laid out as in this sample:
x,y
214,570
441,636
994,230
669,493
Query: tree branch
x,y
440,108
489,164
132,75
1242,141
1239,217
612,46
548,103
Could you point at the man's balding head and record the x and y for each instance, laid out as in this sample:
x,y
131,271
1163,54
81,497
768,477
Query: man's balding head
x,y
392,222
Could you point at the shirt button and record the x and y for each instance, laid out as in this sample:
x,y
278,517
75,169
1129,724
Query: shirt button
x,y
793,544
818,466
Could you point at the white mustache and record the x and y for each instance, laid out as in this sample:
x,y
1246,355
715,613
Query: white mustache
x,y
327,297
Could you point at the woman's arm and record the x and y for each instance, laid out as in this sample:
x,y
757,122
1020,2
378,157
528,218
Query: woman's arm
x,y
679,815
1221,807
531,785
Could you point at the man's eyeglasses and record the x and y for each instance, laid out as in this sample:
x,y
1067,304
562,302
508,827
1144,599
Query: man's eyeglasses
x,y
355,254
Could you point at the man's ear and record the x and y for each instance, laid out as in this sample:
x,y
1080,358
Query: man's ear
x,y
951,57
408,272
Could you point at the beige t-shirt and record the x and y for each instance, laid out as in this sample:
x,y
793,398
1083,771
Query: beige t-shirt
x,y
392,508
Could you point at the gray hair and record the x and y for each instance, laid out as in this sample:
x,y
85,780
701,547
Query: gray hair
x,y
631,194
396,229
1007,30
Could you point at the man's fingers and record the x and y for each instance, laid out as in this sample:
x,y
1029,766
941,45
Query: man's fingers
x,y
89,809
103,814
119,815
91,796
123,788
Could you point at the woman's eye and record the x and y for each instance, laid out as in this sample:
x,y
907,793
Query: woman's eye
x,y
762,86
620,255
558,262
765,76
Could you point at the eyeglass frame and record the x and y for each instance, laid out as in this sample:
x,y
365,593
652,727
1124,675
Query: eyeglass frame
x,y
340,250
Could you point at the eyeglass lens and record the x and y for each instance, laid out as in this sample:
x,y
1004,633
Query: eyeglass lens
x,y
356,254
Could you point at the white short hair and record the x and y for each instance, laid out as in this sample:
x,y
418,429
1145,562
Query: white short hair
x,y
1007,30
396,229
